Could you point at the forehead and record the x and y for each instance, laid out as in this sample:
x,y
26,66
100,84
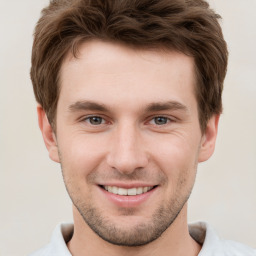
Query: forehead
x,y
115,73
98,53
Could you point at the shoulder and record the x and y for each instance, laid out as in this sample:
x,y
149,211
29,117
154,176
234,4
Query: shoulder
x,y
42,252
212,245
57,246
237,249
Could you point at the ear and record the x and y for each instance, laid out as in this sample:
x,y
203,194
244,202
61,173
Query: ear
x,y
209,139
48,134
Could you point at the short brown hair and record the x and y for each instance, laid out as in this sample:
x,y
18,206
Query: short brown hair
x,y
188,26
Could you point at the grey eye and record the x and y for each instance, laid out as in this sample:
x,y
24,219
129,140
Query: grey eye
x,y
160,120
95,120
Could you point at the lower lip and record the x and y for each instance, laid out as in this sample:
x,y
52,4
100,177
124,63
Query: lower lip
x,y
128,201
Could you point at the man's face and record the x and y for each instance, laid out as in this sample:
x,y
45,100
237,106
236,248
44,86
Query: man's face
x,y
127,123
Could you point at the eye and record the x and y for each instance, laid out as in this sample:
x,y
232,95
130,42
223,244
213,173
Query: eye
x,y
160,120
95,120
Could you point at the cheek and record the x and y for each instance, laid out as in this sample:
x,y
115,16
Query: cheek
x,y
81,154
177,158
176,150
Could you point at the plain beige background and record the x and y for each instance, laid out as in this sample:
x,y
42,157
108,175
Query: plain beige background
x,y
32,195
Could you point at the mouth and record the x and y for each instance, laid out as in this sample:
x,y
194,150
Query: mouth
x,y
127,192
128,195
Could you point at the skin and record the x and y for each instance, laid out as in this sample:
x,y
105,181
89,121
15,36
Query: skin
x,y
145,131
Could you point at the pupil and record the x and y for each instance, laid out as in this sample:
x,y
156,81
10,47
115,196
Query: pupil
x,y
95,120
161,120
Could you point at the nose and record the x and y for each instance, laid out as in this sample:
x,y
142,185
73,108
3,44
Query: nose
x,y
127,150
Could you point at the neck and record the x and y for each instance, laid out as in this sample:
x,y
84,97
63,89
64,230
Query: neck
x,y
174,241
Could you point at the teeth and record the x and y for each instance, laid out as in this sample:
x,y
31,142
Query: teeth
x,y
125,192
121,191
139,191
131,192
114,190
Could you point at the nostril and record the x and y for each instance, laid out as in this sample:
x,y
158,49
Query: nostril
x,y
127,163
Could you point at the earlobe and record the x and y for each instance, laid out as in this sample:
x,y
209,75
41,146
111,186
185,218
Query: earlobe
x,y
209,139
48,134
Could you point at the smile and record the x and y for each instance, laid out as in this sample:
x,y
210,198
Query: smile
x,y
127,192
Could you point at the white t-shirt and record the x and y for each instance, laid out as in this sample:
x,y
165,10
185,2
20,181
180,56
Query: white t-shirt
x,y
212,245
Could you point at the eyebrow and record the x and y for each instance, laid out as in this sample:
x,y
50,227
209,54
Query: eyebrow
x,y
170,105
87,105
152,107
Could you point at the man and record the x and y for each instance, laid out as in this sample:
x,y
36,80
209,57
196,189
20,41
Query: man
x,y
129,97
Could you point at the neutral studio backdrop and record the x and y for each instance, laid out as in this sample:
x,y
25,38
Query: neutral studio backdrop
x,y
32,195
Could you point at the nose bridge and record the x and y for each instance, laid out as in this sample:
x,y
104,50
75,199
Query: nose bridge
x,y
127,153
